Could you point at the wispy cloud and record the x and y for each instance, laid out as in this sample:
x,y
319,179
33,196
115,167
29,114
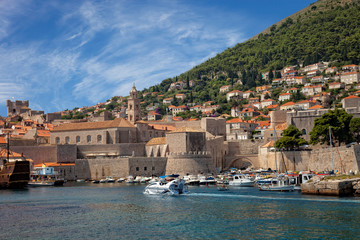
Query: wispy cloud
x,y
100,48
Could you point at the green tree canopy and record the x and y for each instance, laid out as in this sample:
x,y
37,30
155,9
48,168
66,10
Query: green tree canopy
x,y
339,120
355,128
291,138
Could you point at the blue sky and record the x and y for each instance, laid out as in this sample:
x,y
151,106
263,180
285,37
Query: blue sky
x,y
65,54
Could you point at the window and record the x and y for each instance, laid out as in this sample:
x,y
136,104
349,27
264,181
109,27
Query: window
x,y
145,168
137,168
303,132
88,138
67,140
57,140
99,138
153,168
77,139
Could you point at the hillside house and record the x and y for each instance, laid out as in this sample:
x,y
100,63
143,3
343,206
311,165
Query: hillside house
x,y
167,100
304,105
350,77
313,67
237,129
264,94
153,116
318,79
235,94
331,70
287,106
350,101
313,73
248,94
277,82
292,90
179,109
263,88
267,103
248,112
350,68
284,97
336,85
180,96
311,90
226,88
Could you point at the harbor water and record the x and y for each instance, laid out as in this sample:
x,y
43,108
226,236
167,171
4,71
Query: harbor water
x,y
122,211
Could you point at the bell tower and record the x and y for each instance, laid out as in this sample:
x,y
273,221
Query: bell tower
x,y
133,105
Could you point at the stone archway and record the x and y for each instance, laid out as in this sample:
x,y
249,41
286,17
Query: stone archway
x,y
242,161
240,164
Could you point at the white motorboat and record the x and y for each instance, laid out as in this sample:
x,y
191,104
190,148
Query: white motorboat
x,y
282,185
120,180
192,180
297,180
45,176
130,179
241,180
173,187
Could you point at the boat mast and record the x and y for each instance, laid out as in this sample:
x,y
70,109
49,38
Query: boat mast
x,y
332,159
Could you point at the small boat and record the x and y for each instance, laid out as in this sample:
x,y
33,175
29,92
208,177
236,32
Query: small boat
x,y
222,188
173,187
242,180
45,176
192,180
120,180
282,185
95,181
298,179
130,179
207,180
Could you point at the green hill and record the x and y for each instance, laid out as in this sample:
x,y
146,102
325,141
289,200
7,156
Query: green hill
x,y
327,30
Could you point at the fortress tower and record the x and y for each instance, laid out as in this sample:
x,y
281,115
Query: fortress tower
x,y
133,105
17,107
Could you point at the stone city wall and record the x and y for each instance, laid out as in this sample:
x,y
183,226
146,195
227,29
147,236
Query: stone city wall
x,y
314,160
192,163
120,149
119,167
42,154
217,150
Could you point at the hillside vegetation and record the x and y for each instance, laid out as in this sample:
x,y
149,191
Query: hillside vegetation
x,y
327,30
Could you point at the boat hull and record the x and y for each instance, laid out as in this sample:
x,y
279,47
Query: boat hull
x,y
15,174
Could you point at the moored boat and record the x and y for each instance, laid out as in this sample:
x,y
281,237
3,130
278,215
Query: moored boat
x,y
282,185
242,180
173,187
14,174
45,176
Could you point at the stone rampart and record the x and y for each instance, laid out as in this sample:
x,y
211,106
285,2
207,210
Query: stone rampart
x,y
120,149
119,167
314,160
190,163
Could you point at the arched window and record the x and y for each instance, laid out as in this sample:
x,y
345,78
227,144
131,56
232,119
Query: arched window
x,y
57,140
77,139
67,140
99,138
88,138
303,132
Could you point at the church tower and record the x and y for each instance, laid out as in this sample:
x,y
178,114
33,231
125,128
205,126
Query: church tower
x,y
133,105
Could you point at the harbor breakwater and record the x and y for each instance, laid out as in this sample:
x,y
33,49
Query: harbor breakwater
x,y
332,187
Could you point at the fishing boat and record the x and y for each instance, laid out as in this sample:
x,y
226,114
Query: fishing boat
x,y
207,180
191,180
242,180
282,185
162,186
45,176
298,179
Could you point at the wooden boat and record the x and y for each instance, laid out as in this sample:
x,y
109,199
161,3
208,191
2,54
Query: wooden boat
x,y
14,174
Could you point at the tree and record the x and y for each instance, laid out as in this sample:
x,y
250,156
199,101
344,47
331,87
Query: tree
x,y
291,138
355,128
339,120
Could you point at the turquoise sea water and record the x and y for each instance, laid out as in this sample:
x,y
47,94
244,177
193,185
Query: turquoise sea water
x,y
121,211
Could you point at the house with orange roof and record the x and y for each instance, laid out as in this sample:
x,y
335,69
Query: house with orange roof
x,y
350,77
313,73
273,107
284,97
235,94
167,100
277,82
180,96
225,88
13,156
248,113
357,93
288,106
350,68
313,67
316,107
256,105
207,103
248,94
311,90
153,116
253,100
290,73
318,79
321,97
263,88
304,104
336,85
159,96
264,94
268,102
196,108
235,111
292,90
179,109
331,70
237,129
350,101
171,107
261,128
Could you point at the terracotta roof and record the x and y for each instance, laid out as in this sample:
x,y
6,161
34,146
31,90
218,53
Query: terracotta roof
x,y
288,104
235,91
350,73
268,145
316,107
237,120
162,127
3,153
54,164
349,97
285,94
272,106
185,129
156,141
43,133
2,140
116,123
